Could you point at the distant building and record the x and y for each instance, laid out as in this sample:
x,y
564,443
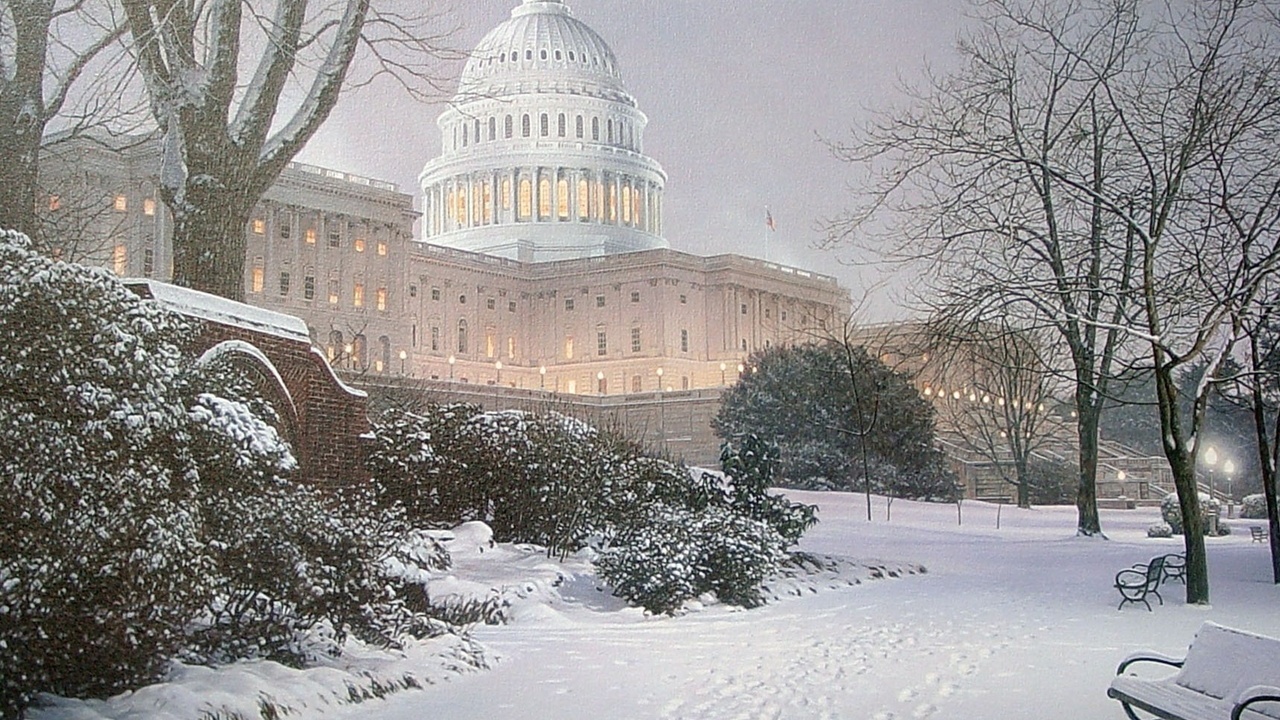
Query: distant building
x,y
542,263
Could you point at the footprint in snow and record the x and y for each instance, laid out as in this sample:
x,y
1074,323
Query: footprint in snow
x,y
908,695
924,711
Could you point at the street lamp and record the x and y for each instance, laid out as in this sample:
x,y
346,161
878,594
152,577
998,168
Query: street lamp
x,y
346,350
498,367
403,356
1210,459
452,360
722,369
600,383
1229,468
660,379
542,378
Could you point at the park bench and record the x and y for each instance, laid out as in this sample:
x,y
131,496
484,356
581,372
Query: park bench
x,y
1227,673
1259,534
1137,582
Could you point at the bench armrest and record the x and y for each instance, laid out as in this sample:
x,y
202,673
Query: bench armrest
x,y
1150,657
1257,693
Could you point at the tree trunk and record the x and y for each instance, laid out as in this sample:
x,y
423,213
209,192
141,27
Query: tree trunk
x,y
1087,523
1182,462
1024,483
209,250
23,114
19,153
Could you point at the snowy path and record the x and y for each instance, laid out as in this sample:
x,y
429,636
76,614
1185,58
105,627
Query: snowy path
x,y
1008,623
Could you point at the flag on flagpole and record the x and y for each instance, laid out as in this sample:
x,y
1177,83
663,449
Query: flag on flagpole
x,y
768,221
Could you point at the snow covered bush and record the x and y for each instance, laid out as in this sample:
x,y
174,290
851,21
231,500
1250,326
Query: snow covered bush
x,y
1160,530
101,558
1254,507
1171,511
669,555
749,470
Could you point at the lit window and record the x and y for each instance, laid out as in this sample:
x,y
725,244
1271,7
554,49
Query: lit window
x,y
120,259
635,339
284,283
382,299
149,207
573,387
584,199
602,342
562,199
568,348
544,198
684,341
357,295
597,201
121,203
599,301
626,204
259,226
311,236
526,198
382,248
506,194
511,348
635,296
489,349
488,204
568,304
309,287
258,277
359,245
613,203
333,290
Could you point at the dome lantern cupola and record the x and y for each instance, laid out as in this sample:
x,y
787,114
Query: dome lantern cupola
x,y
542,154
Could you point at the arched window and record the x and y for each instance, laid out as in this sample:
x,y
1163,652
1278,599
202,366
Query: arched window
x,y
526,126
477,202
493,129
584,199
465,133
543,54
462,337
562,199
579,127
613,202
544,125
462,206
488,203
506,193
595,129
510,127
448,205
544,198
597,201
610,131
637,207
626,204
528,54
563,125
476,135
526,198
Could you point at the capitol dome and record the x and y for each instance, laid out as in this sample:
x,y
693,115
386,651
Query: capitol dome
x,y
542,156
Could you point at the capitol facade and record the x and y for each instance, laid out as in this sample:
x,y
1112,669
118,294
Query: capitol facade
x,y
536,257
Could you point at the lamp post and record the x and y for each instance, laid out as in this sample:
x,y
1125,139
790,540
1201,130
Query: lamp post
x,y
1210,459
600,383
542,378
452,360
497,366
403,356
346,350
722,369
659,379
1229,468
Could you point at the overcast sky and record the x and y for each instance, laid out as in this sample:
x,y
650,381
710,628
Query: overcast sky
x,y
738,94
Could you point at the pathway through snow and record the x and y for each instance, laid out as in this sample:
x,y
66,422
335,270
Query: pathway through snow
x,y
1020,621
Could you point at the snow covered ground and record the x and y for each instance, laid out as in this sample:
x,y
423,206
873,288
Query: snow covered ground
x,y
1019,621
1015,622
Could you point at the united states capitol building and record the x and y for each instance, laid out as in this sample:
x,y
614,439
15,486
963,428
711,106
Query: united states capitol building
x,y
539,259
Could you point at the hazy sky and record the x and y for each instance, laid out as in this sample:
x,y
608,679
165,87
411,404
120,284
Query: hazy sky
x,y
738,94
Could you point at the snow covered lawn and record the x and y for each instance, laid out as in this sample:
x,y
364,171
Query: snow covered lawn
x,y
1016,622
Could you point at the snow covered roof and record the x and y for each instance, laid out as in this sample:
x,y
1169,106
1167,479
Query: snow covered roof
x,y
221,310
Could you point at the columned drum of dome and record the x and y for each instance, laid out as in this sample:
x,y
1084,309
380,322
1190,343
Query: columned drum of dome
x,y
542,155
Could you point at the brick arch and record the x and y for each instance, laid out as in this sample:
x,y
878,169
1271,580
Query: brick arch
x,y
265,377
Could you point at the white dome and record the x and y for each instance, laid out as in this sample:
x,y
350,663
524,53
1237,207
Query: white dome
x,y
542,148
541,38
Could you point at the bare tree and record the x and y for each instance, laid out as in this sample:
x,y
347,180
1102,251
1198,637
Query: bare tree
x,y
45,48
964,179
226,141
999,412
